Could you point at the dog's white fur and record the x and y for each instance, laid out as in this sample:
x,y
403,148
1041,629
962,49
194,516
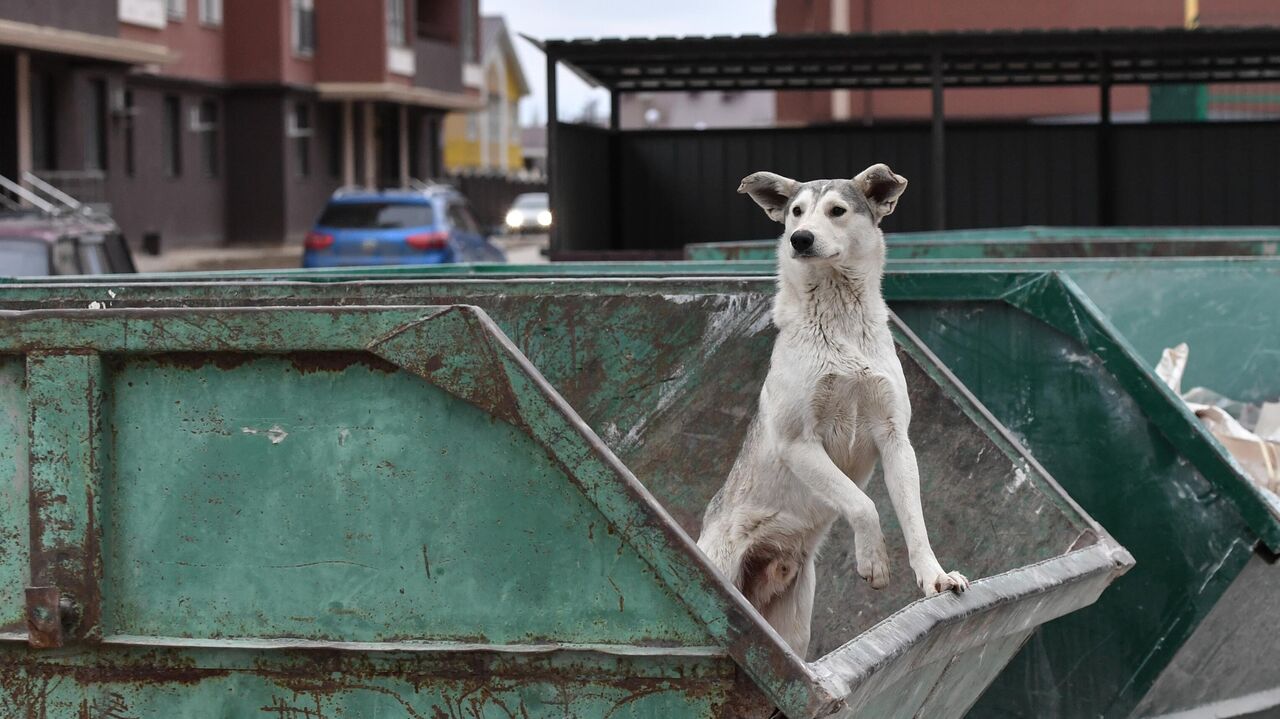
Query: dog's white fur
x,y
834,401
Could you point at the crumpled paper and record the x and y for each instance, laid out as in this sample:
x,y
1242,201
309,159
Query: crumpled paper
x,y
1251,435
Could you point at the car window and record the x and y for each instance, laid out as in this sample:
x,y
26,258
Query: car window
x,y
119,259
23,258
65,259
460,217
376,215
93,258
531,202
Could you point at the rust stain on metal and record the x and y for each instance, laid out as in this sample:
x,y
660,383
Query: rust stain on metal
x,y
45,621
309,362
196,360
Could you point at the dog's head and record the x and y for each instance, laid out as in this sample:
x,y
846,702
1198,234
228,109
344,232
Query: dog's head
x,y
831,221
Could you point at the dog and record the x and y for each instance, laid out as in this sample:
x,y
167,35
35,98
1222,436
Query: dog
x,y
833,403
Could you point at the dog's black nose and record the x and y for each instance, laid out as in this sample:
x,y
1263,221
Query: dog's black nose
x,y
802,240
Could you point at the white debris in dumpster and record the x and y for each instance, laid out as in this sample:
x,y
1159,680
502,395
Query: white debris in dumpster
x,y
1251,433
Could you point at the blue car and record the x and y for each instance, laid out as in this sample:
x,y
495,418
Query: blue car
x,y
426,226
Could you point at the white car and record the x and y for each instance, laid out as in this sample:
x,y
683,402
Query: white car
x,y
530,213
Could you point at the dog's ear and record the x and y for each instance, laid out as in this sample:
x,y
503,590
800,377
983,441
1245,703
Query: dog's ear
x,y
770,191
881,187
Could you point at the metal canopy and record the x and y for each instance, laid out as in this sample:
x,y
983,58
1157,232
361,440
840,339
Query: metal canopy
x,y
905,60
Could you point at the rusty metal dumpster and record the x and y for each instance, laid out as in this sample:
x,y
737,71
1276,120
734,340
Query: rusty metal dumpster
x,y
1009,242
364,511
1046,367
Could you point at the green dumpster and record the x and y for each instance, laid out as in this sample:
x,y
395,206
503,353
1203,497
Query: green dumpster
x,y
1036,352
1041,242
357,510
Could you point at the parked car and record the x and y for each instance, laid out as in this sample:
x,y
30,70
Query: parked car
x,y
35,245
530,212
427,225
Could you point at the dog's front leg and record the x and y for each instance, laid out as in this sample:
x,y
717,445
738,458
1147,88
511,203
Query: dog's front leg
x,y
808,460
902,479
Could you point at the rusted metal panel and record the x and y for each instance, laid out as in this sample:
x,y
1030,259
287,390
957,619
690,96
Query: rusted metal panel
x,y
65,443
240,522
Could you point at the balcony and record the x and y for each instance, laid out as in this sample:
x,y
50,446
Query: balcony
x,y
146,13
402,61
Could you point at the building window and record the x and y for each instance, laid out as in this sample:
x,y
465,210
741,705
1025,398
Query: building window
x,y
433,21
204,122
415,145
172,136
130,150
334,119
211,12
473,126
300,131
304,27
177,9
395,23
43,131
95,145
467,30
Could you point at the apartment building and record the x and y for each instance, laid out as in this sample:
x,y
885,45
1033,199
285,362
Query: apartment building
x,y
214,121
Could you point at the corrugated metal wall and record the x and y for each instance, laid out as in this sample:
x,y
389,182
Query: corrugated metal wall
x,y
580,191
677,187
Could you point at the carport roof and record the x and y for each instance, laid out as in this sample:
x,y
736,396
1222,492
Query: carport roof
x,y
906,60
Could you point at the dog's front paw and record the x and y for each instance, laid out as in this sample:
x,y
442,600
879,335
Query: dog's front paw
x,y
873,562
940,581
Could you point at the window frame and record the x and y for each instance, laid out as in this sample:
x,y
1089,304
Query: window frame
x,y
397,24
303,12
205,121
301,133
210,13
171,137
97,149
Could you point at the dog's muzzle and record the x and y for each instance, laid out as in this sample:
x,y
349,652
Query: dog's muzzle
x,y
802,243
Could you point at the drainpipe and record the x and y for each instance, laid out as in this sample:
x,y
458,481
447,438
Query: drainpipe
x,y
370,148
348,144
22,107
404,145
841,102
868,107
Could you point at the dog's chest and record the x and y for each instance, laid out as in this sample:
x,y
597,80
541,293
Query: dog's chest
x,y
835,402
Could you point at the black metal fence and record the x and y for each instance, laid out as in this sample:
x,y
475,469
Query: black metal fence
x,y
677,187
490,195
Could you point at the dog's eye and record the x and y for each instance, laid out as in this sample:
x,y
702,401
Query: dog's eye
x,y
837,211
796,211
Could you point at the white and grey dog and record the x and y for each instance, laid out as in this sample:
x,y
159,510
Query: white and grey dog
x,y
833,402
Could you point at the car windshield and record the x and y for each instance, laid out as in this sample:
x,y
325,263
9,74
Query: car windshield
x,y
376,215
531,202
23,258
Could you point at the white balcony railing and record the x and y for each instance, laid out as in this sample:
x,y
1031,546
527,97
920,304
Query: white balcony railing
x,y
147,13
401,61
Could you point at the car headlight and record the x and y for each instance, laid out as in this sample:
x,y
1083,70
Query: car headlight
x,y
544,218
515,218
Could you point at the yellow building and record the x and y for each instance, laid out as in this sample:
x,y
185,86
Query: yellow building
x,y
490,138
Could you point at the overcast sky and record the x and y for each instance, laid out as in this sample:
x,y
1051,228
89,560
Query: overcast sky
x,y
565,19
